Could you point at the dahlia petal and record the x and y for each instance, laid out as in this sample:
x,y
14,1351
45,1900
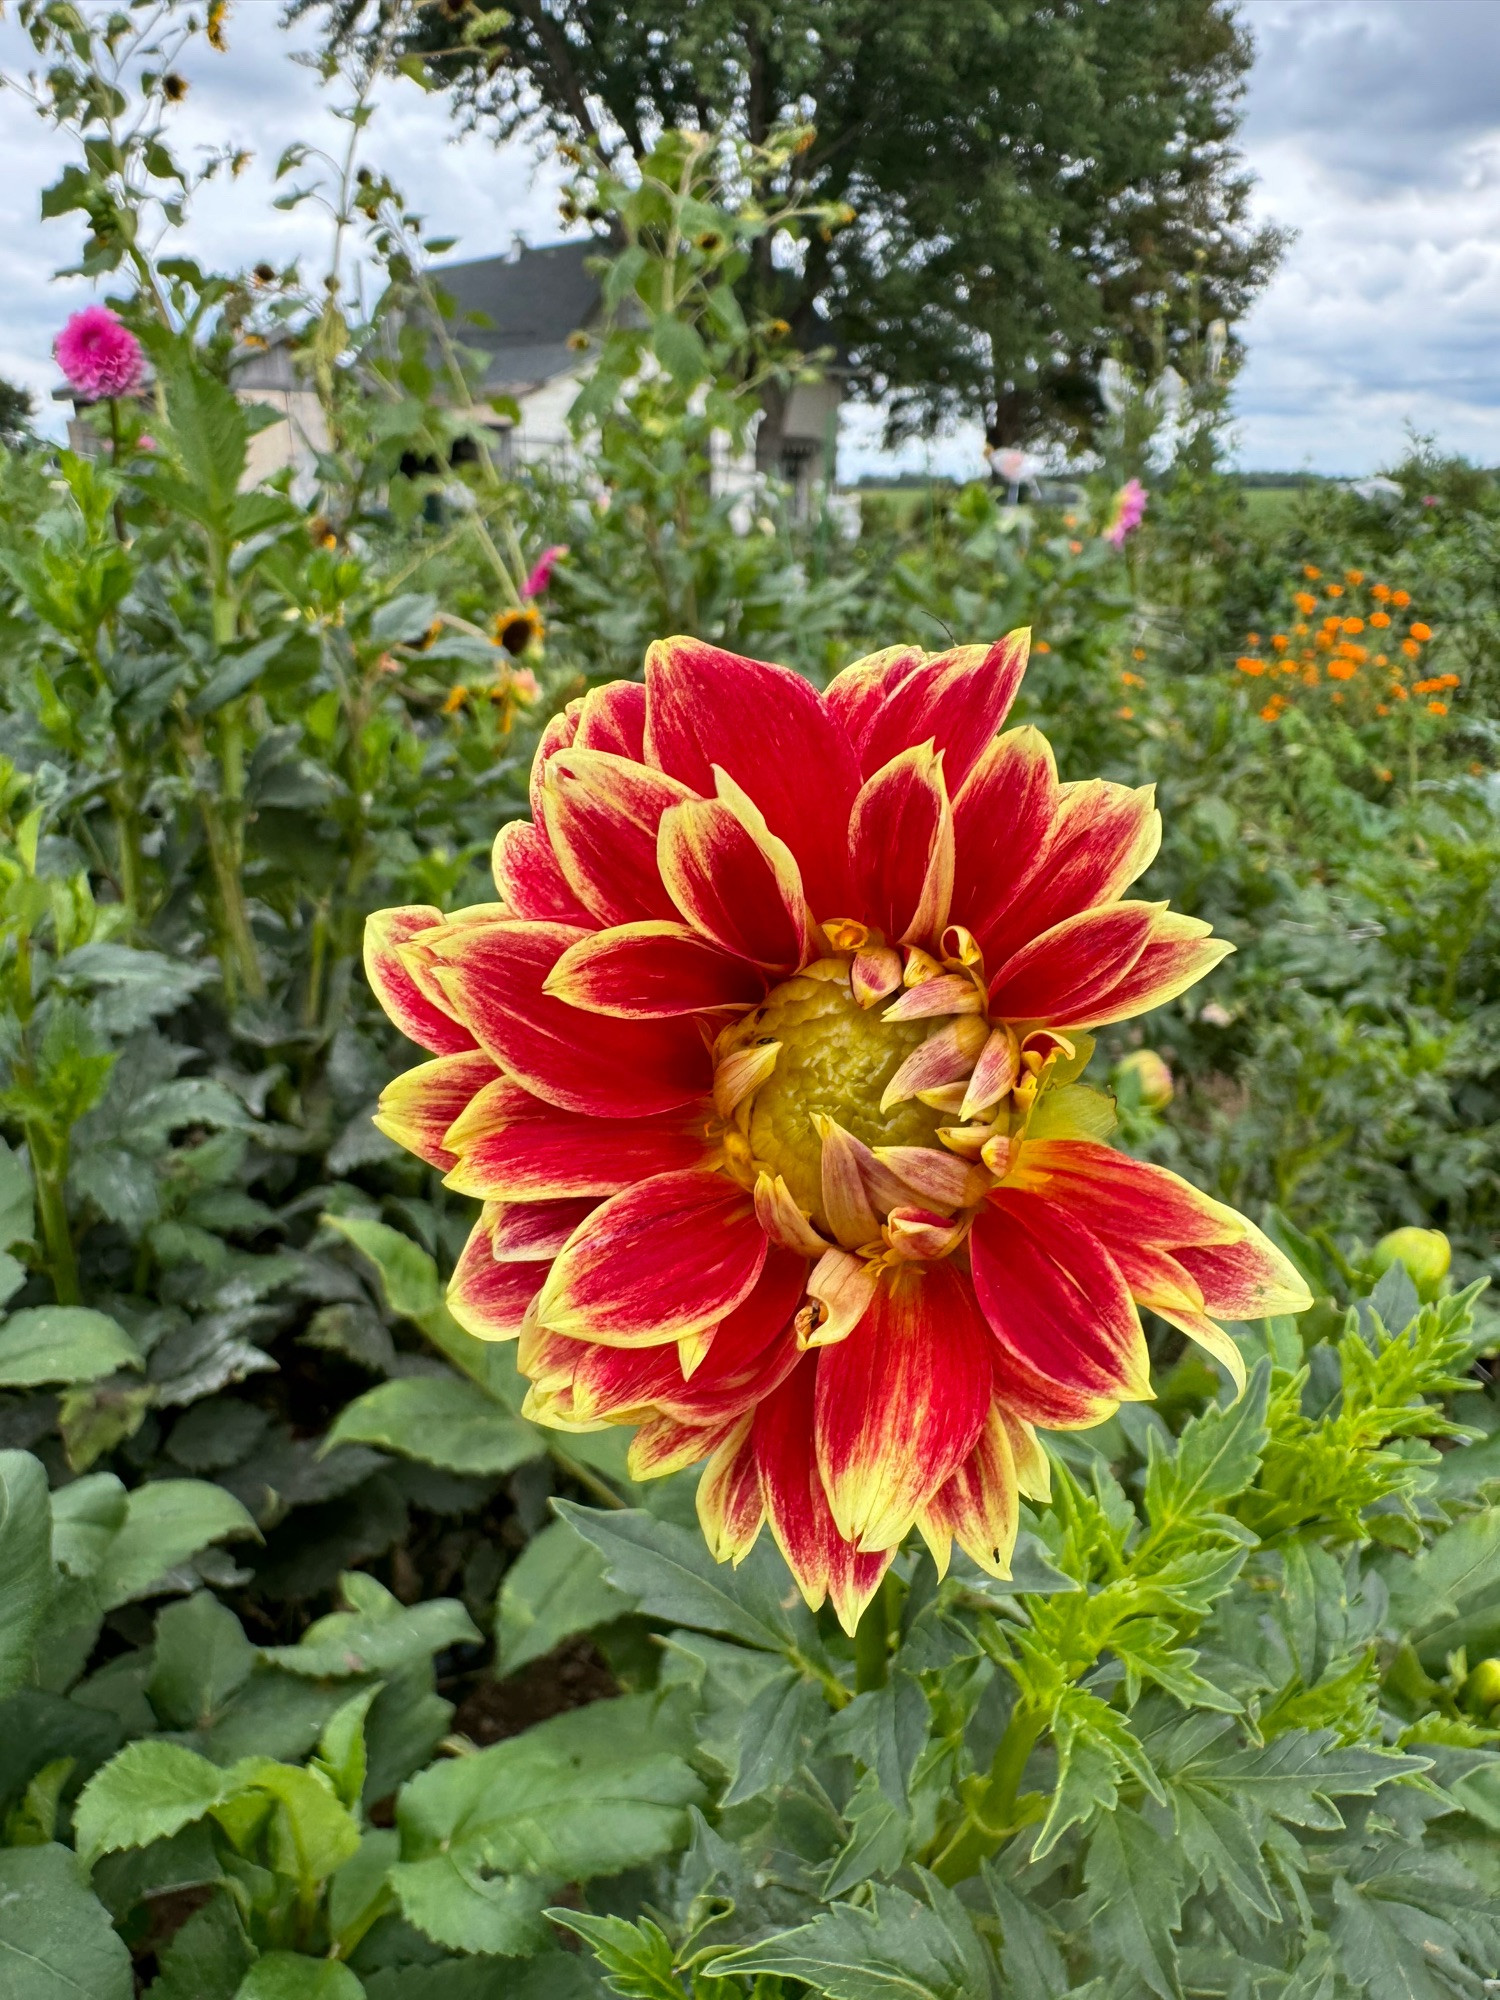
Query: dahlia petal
x,y
558,735
535,1231
730,1508
1033,1467
613,718
739,1075
947,1056
664,1445
995,1072
1063,975
941,1178
417,1107
841,1287
742,893
1102,837
901,847
958,700
750,1352
771,732
1250,1279
419,1017
1038,1398
489,1299
876,971
861,691
1123,1199
512,1146
651,971
495,977
528,878
1179,952
602,815
665,1259
883,1189
1055,1300
782,1220
1003,816
977,1506
822,1562
846,1199
919,1234
900,1402
950,993
578,1385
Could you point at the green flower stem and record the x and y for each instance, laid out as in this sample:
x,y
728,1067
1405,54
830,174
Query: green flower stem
x,y
49,1158
872,1641
991,1816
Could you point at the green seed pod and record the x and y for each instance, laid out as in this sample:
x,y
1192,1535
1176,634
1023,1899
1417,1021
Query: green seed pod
x,y
1154,1089
1426,1253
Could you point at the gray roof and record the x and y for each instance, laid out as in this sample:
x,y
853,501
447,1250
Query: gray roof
x,y
533,301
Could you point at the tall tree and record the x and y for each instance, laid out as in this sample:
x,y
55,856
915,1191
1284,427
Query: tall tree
x,y
1036,183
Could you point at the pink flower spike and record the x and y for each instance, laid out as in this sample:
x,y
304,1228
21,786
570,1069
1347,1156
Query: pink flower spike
x,y
541,576
1130,509
99,354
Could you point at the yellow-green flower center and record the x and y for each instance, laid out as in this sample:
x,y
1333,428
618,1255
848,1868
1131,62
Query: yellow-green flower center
x,y
836,1060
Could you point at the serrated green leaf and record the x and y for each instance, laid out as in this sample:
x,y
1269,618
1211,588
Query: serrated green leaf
x,y
1428,1589
286,1975
166,1521
148,1791
201,1658
556,1587
56,1942
380,1635
1133,1883
62,1344
441,1420
896,1949
25,1564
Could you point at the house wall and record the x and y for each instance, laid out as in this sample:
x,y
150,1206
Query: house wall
x,y
295,440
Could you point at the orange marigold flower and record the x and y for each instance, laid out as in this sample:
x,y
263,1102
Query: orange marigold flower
x,y
1075,548
1380,591
1248,664
1426,687
1382,660
1280,641
1274,708
456,697
1410,648
1354,624
1401,598
1382,708
1333,590
1125,714
1355,576
1306,603
1421,631
1138,653
1311,572
1132,680
1300,631
1448,680
754,1068
1342,670
1337,698
1437,708
1042,646
1380,619
1252,638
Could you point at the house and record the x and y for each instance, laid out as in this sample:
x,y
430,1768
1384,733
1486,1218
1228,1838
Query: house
x,y
533,314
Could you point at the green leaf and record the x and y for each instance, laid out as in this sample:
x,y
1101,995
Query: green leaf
x,y
408,1276
556,1587
380,1635
551,1975
62,1344
680,350
671,1575
587,1793
897,1949
342,1756
287,1975
202,1658
150,1790
638,1957
1429,1588
1133,1900
468,1910
315,1835
25,1563
56,1941
166,1521
86,1517
442,1420
17,1206
1216,1458
207,1958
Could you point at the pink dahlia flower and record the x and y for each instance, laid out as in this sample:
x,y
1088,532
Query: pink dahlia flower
x,y
1130,511
99,354
541,576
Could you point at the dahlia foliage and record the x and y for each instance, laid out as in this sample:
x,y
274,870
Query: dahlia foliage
x,y
765,1067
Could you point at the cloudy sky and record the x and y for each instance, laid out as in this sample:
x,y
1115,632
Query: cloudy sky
x,y
1373,125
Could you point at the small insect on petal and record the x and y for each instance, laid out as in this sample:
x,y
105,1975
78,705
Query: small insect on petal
x,y
840,1288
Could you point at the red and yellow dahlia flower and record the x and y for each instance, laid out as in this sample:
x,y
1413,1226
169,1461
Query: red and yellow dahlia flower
x,y
765,1067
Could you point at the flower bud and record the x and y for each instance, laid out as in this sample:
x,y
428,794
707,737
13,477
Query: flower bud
x,y
1425,1253
1154,1089
1482,1688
